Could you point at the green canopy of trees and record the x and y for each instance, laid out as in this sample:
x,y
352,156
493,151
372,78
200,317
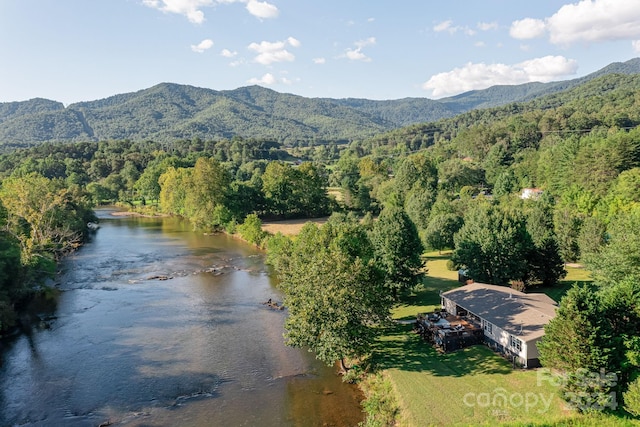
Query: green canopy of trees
x,y
334,291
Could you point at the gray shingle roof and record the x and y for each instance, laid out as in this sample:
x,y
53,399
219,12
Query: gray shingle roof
x,y
520,314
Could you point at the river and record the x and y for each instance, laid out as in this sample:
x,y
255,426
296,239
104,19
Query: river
x,y
156,325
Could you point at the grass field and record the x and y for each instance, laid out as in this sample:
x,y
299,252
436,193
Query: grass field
x,y
473,386
470,387
289,227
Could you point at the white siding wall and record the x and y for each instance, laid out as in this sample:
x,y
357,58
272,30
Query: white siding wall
x,y
449,305
503,337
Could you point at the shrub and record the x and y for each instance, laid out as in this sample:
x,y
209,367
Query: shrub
x,y
518,285
251,230
632,398
379,403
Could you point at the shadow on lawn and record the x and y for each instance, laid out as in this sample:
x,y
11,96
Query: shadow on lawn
x,y
402,349
558,291
427,295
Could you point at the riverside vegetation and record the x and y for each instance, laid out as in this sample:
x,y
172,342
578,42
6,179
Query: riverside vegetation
x,y
453,185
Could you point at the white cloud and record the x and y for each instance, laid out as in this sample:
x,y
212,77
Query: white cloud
x,y
481,76
192,9
293,42
366,42
262,9
479,44
588,21
449,27
548,68
270,52
189,8
595,21
443,26
486,26
636,46
355,54
319,60
227,53
527,28
202,46
267,79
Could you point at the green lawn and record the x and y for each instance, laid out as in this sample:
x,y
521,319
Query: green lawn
x,y
427,298
467,387
574,275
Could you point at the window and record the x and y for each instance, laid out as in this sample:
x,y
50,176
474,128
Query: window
x,y
488,327
515,343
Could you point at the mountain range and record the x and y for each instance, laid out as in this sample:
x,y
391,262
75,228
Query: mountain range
x,y
170,111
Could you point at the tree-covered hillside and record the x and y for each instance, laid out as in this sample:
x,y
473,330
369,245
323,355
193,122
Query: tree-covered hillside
x,y
453,184
500,95
167,112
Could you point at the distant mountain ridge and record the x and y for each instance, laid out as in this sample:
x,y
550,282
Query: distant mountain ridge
x,y
496,96
170,111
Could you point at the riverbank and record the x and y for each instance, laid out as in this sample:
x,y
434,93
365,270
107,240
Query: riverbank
x,y
166,352
138,214
411,384
448,389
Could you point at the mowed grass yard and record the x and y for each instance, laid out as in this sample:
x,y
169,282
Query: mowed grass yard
x,y
473,386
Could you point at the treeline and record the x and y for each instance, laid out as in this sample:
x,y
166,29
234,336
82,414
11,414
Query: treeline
x,y
341,280
41,220
458,182
208,196
581,152
583,155
48,193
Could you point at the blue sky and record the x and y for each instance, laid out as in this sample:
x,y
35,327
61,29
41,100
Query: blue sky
x,y
81,50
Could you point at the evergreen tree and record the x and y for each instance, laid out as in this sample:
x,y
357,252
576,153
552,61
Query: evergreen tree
x,y
578,343
545,263
619,258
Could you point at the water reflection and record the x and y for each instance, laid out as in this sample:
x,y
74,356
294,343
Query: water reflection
x,y
198,348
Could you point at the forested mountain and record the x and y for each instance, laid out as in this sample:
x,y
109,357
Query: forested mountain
x,y
501,95
605,101
450,184
168,112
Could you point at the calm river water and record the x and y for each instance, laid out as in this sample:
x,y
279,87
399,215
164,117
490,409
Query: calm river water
x,y
122,346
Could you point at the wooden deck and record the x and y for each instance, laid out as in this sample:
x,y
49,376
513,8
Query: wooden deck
x,y
447,332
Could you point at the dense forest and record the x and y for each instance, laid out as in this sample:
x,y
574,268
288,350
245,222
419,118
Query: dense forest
x,y
166,112
455,184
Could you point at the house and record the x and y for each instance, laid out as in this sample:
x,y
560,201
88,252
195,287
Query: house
x,y
513,322
531,193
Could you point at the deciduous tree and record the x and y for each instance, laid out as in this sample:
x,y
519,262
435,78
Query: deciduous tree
x,y
398,249
493,244
333,290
